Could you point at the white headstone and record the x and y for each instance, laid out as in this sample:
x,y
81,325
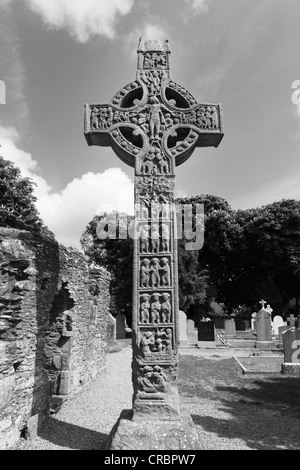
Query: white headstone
x,y
277,322
191,325
253,321
183,338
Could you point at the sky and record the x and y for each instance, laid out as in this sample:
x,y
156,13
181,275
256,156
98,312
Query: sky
x,y
56,55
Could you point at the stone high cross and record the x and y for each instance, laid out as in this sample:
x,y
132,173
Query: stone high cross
x,y
153,124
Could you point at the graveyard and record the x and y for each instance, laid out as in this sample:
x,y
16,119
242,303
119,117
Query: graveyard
x,y
143,328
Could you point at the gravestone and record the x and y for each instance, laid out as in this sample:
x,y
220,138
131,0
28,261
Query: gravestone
x,y
230,329
277,322
192,332
120,326
253,323
291,349
281,330
153,124
241,324
111,329
219,323
183,337
263,330
292,321
190,326
206,334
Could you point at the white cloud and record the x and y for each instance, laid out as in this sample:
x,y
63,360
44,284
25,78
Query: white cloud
x,y
198,5
82,18
149,30
67,212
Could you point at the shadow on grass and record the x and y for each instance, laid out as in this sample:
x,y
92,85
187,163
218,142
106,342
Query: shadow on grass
x,y
262,411
72,436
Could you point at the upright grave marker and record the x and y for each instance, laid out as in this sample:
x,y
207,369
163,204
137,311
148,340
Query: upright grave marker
x,y
263,329
153,124
291,348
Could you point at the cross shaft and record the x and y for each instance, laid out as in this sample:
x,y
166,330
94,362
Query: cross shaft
x,y
153,124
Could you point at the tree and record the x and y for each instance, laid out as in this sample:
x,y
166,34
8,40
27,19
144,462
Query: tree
x,y
271,251
202,272
115,254
17,201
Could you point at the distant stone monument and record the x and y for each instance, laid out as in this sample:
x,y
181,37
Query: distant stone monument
x,y
277,322
111,329
183,337
263,329
206,334
291,347
230,328
120,326
153,124
253,324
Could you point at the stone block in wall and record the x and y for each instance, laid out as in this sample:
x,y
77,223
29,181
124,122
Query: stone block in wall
x,y
41,283
7,385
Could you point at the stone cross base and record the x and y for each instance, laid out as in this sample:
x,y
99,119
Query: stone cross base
x,y
264,344
290,368
153,435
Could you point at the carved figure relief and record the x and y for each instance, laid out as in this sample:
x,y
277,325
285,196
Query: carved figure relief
x,y
155,238
155,308
156,342
165,308
165,237
155,60
165,277
159,190
154,273
154,163
145,273
152,380
144,308
144,238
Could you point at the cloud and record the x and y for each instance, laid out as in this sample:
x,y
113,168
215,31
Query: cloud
x,y
68,211
12,72
151,29
83,19
198,5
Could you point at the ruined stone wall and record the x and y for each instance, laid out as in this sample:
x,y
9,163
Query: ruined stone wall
x,y
53,328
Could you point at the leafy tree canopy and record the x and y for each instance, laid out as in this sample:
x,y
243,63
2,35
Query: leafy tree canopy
x,y
17,201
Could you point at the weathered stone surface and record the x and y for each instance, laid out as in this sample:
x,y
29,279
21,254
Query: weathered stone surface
x,y
53,326
291,345
263,330
154,124
206,334
182,322
230,327
154,435
281,330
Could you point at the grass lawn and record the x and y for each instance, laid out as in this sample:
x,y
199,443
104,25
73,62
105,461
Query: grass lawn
x,y
263,411
209,377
